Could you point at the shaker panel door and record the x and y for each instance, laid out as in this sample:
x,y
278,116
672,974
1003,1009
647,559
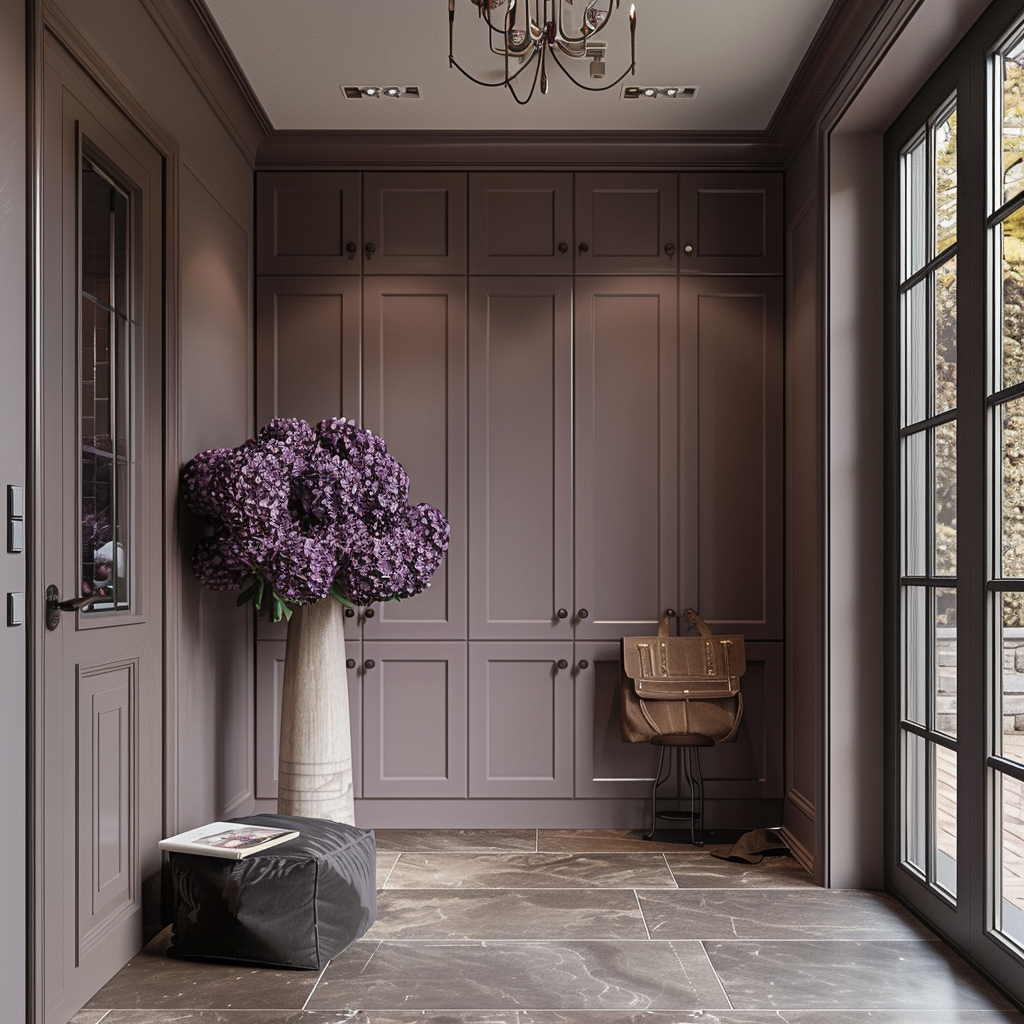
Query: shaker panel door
x,y
414,719
520,223
730,223
307,363
520,412
626,223
605,765
269,683
308,222
414,223
520,719
731,451
414,397
626,455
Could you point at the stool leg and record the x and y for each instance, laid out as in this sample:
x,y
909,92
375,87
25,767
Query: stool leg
x,y
698,838
654,795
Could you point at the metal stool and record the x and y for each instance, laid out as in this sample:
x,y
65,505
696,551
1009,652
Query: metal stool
x,y
688,768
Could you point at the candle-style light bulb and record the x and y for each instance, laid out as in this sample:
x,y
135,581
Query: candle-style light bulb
x,y
632,39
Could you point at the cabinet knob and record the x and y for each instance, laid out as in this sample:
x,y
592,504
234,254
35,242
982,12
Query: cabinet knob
x,y
370,249
562,663
369,663
351,249
369,613
563,246
350,663
687,249
582,613
670,248
584,664
562,613
584,247
349,612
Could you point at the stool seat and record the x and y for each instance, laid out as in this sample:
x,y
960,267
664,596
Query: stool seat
x,y
681,739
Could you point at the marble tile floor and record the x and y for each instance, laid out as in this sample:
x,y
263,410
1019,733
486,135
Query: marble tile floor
x,y
583,927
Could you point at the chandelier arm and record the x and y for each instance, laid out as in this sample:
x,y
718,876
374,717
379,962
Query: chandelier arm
x,y
590,88
529,95
494,85
495,31
587,35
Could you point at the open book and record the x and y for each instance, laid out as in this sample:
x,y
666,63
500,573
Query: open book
x,y
227,839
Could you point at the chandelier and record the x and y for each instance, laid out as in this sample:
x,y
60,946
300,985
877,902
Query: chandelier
x,y
526,32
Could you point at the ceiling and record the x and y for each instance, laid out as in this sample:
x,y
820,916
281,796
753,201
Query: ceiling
x,y
297,55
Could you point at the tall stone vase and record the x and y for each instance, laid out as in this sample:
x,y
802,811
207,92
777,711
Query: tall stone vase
x,y
315,762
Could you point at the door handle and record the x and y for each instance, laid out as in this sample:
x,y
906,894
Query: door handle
x,y
54,605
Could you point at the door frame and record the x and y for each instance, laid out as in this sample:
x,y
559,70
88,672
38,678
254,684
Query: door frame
x,y
44,20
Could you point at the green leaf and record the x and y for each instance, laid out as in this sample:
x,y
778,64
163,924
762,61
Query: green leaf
x,y
250,591
340,597
276,608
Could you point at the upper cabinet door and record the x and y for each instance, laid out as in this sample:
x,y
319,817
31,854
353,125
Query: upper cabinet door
x,y
730,223
520,223
626,224
626,447
731,453
414,223
307,222
414,397
520,469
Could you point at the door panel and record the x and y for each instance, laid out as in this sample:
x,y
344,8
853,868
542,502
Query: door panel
x,y
520,414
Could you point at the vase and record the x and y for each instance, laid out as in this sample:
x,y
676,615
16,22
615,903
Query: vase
x,y
315,760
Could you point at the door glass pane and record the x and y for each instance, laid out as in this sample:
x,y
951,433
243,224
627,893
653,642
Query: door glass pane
x,y
915,353
944,498
1011,533
945,818
1011,238
945,183
915,209
915,505
915,640
105,333
915,816
1011,691
944,397
944,661
1013,121
1011,847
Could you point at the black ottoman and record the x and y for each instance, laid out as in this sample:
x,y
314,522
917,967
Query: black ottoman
x,y
294,905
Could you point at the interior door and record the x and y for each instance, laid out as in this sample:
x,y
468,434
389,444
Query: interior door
x,y
99,801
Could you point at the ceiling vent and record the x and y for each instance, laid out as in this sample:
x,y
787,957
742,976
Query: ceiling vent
x,y
654,92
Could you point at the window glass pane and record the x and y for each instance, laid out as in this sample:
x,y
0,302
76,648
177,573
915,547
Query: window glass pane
x,y
944,397
944,498
945,818
945,183
915,353
1012,240
915,209
1011,442
915,502
1013,121
1011,846
1011,709
944,661
915,816
915,640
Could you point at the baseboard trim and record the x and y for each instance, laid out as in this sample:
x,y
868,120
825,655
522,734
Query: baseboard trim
x,y
803,856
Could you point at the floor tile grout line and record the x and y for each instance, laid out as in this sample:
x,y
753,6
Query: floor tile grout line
x,y
643,916
391,872
316,984
718,978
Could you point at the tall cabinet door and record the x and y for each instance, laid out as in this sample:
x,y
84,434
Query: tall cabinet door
x,y
520,415
414,397
626,223
307,363
626,455
731,472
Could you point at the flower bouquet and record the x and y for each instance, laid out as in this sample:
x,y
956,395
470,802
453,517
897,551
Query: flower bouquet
x,y
301,514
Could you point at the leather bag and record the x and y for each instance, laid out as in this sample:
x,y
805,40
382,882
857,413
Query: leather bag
x,y
681,685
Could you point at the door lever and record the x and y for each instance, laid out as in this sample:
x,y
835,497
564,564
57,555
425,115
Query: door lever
x,y
54,605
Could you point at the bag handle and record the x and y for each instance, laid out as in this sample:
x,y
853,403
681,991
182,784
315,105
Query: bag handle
x,y
697,622
663,627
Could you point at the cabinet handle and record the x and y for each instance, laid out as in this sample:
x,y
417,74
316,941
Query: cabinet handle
x,y
584,247
351,250
370,249
369,613
688,249
670,248
562,613
582,613
349,612
584,664
350,663
562,663
563,246
369,663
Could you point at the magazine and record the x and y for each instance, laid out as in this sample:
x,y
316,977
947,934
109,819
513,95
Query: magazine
x,y
227,839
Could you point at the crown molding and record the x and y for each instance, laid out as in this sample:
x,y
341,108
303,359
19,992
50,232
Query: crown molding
x,y
473,149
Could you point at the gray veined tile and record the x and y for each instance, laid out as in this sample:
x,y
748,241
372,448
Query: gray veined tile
x,y
599,840
697,869
766,1017
464,840
508,914
776,914
849,976
519,975
385,865
530,870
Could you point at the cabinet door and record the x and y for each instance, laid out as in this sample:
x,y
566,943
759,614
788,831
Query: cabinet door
x,y
520,223
520,719
605,765
731,451
730,223
414,719
414,223
269,683
626,455
626,224
307,362
414,395
307,222
520,413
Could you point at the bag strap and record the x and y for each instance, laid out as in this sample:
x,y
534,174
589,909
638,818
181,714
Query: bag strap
x,y
696,621
663,626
